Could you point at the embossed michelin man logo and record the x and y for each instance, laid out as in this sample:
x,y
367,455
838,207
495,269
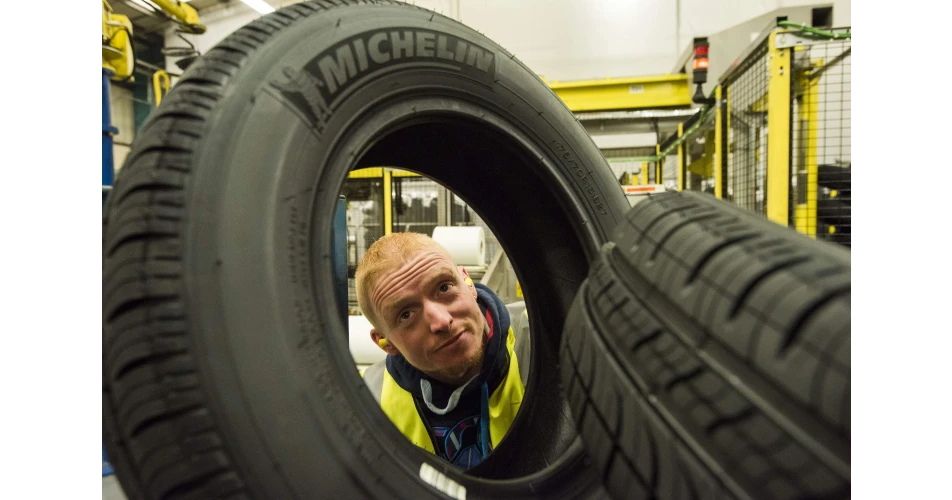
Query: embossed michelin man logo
x,y
304,90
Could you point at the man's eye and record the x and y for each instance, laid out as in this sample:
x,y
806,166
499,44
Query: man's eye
x,y
445,287
405,315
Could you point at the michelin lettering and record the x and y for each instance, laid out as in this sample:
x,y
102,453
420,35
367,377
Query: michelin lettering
x,y
314,88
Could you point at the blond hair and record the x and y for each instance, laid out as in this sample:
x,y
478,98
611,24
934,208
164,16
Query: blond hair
x,y
391,251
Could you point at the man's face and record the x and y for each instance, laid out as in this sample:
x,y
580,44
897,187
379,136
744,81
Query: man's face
x,y
427,313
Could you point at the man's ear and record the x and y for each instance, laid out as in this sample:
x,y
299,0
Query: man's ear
x,y
388,348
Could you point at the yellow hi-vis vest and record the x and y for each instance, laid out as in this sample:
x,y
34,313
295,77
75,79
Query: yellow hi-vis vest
x,y
504,402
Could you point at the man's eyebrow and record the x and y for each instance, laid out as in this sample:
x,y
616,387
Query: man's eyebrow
x,y
444,272
401,302
396,307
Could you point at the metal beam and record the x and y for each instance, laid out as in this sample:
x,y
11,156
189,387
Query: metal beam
x,y
627,140
718,144
366,173
624,93
778,137
805,207
387,203
680,158
672,114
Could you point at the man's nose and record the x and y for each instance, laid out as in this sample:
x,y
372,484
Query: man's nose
x,y
438,316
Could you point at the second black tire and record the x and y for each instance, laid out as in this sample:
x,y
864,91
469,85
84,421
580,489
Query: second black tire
x,y
708,356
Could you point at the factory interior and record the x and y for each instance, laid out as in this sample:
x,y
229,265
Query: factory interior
x,y
490,249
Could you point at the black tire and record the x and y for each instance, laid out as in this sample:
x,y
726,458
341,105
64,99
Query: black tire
x,y
708,356
226,372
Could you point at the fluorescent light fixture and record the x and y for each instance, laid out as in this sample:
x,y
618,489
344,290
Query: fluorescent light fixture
x,y
259,5
144,5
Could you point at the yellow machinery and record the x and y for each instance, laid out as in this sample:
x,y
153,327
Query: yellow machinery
x,y
182,13
649,92
118,55
119,62
161,83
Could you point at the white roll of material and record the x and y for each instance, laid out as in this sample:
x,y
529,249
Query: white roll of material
x,y
466,244
362,347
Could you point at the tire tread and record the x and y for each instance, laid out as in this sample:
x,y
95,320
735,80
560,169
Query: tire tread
x,y
726,381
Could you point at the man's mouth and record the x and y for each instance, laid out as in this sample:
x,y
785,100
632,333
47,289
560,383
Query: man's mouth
x,y
452,341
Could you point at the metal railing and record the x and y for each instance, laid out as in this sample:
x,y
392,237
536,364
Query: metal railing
x,y
701,151
381,201
776,138
746,105
821,161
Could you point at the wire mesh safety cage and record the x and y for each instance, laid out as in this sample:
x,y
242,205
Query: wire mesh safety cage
x,y
654,174
365,224
671,162
365,217
746,125
820,187
415,205
629,167
648,173
633,171
700,158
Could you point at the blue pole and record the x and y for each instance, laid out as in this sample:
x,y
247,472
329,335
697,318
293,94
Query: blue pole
x,y
105,178
108,171
106,466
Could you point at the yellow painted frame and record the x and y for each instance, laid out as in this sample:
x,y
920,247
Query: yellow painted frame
x,y
387,174
680,158
778,132
624,93
718,136
366,173
727,130
387,202
805,214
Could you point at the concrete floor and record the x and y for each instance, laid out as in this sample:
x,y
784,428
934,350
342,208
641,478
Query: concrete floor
x,y
111,489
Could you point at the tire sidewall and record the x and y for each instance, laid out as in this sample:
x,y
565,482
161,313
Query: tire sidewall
x,y
258,260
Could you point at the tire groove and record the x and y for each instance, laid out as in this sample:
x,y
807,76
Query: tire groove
x,y
730,419
194,483
643,233
161,418
827,298
680,379
664,239
741,299
702,263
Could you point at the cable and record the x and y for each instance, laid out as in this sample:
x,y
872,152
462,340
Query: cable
x,y
181,51
814,31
